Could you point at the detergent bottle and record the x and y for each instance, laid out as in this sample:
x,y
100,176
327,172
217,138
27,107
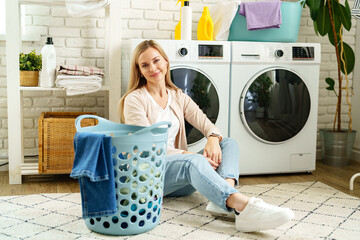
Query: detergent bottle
x,y
186,21
48,54
205,27
178,26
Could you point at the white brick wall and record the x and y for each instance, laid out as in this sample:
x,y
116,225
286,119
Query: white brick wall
x,y
81,41
78,41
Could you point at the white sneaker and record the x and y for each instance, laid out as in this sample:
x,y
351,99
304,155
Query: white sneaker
x,y
217,211
258,216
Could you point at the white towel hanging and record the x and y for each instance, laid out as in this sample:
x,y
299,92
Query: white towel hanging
x,y
80,8
222,15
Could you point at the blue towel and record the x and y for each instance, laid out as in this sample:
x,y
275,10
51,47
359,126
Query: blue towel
x,y
94,167
261,15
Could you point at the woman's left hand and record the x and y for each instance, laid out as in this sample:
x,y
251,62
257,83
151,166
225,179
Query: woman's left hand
x,y
212,149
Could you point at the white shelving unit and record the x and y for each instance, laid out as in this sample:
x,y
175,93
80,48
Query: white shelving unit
x,y
112,86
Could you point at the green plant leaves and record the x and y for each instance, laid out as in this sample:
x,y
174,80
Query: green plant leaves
x,y
314,6
341,18
260,90
337,24
30,61
343,13
349,58
331,84
323,20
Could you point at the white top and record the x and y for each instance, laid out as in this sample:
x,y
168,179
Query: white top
x,y
167,114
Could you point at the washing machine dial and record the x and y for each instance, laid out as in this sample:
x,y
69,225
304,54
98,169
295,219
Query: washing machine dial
x,y
183,51
279,53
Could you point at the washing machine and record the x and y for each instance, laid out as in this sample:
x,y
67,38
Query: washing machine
x,y
202,70
273,105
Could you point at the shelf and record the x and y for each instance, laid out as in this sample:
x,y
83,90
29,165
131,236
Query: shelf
x,y
30,168
25,38
103,88
19,166
43,2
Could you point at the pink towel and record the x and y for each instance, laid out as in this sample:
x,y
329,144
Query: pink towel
x,y
261,15
78,70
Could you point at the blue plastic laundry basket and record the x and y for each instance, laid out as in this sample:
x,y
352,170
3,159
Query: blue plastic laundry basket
x,y
288,31
139,153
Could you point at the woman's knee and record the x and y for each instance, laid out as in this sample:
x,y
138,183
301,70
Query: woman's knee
x,y
184,191
229,143
198,161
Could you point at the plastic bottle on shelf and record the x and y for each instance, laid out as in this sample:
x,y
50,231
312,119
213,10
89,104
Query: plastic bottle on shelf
x,y
48,53
186,21
205,27
178,26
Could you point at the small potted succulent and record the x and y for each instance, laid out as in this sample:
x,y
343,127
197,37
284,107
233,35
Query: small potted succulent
x,y
30,65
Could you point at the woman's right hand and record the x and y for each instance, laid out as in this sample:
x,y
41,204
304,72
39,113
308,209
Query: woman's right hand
x,y
213,164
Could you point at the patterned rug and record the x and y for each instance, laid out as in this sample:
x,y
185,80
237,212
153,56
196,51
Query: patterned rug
x,y
321,212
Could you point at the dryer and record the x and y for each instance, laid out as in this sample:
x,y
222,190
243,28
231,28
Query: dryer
x,y
273,105
202,70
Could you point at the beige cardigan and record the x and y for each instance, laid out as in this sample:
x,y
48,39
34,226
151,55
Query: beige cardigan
x,y
139,111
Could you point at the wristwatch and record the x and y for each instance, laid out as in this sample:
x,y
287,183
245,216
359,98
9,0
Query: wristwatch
x,y
216,135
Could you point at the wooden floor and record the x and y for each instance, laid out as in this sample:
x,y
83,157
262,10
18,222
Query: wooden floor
x,y
337,177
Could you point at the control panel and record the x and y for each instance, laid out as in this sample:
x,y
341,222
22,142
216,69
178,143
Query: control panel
x,y
280,53
210,51
196,51
302,53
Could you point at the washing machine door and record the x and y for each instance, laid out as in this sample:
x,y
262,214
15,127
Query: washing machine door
x,y
199,86
275,105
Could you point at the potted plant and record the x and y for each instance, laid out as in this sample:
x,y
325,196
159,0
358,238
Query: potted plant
x,y
259,90
330,17
200,92
30,65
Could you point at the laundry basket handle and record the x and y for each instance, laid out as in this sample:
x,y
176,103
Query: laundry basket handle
x,y
302,2
81,117
150,128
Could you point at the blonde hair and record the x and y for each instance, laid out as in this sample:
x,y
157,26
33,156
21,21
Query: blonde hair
x,y
136,80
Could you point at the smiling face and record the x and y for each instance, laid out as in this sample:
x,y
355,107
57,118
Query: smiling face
x,y
153,66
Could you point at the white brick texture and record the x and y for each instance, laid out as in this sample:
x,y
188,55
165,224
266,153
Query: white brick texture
x,y
48,21
149,4
80,43
64,32
143,24
93,33
81,22
158,15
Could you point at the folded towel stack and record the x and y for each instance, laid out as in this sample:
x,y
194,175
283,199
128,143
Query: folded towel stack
x,y
78,79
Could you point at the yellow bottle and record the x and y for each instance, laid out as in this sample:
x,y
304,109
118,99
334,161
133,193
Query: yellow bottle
x,y
205,27
178,26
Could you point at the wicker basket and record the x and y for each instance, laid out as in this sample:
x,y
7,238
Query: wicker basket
x,y
29,78
56,135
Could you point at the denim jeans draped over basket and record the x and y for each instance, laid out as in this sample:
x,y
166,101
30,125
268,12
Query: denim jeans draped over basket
x,y
94,167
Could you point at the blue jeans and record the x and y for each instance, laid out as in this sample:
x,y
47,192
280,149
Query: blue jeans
x,y
186,173
94,167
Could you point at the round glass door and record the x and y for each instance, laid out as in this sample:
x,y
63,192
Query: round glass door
x,y
200,88
275,105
